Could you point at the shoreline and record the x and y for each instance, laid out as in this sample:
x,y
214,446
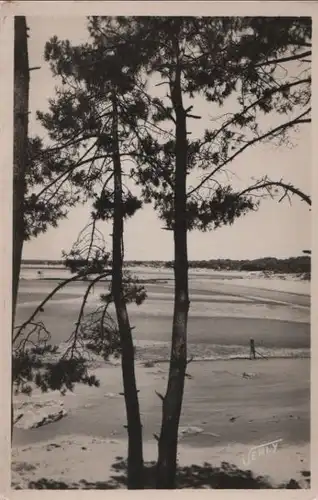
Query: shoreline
x,y
285,282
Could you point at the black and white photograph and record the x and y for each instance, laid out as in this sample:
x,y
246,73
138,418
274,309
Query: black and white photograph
x,y
161,254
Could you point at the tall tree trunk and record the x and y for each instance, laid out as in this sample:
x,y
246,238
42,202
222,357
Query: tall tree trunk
x,y
172,402
20,152
20,146
135,452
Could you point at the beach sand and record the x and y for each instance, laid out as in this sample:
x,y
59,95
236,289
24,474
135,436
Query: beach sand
x,y
229,408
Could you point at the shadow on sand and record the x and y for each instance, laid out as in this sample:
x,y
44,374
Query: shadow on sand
x,y
226,476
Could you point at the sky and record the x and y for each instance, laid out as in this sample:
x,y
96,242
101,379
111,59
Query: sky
x,y
276,229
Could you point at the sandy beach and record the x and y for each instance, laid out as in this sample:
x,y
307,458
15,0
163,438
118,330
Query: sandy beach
x,y
241,405
241,418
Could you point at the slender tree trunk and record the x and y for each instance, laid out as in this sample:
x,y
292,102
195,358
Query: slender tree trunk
x,y
135,452
172,402
20,152
20,146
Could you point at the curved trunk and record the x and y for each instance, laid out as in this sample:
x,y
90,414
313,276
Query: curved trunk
x,y
172,402
135,453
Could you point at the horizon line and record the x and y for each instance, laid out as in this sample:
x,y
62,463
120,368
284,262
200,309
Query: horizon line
x,y
189,260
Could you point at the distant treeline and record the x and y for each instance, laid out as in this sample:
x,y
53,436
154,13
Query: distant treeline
x,y
298,265
41,262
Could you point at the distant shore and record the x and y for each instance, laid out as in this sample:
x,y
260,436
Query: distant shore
x,y
300,265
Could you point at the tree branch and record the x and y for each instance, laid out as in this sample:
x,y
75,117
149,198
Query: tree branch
x,y
80,315
283,59
69,171
49,296
287,187
255,103
271,132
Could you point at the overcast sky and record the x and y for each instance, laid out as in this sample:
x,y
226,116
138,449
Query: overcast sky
x,y
277,229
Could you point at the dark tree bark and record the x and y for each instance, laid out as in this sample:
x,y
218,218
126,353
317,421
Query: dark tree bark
x,y
172,402
134,427
20,145
20,152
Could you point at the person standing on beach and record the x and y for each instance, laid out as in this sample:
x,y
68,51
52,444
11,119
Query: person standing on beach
x,y
252,349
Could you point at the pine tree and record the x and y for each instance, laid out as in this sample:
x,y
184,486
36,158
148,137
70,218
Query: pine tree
x,y
216,58
92,123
